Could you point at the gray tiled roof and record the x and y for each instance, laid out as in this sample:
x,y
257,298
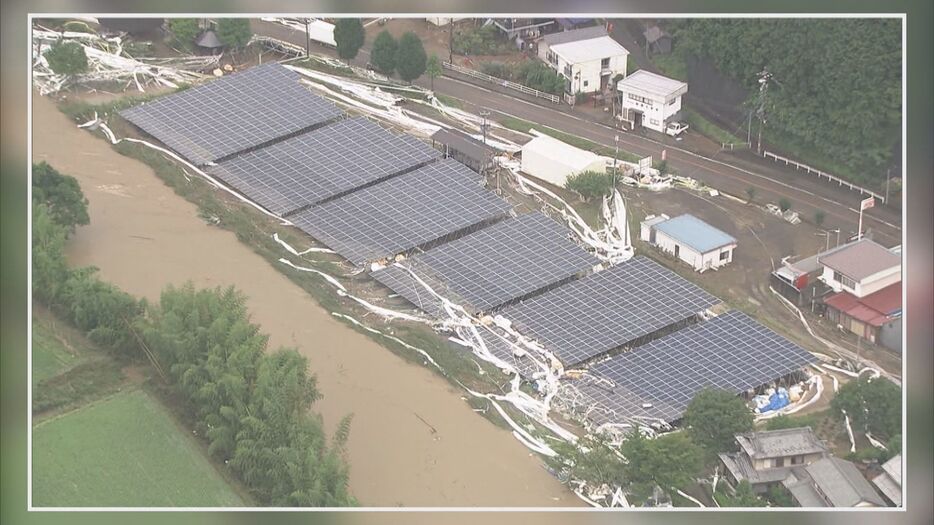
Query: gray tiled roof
x,y
841,483
574,35
780,443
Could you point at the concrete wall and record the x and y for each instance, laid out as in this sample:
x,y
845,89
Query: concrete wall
x,y
869,285
655,116
890,335
590,71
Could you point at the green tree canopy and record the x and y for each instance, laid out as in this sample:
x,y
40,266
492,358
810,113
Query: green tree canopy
x,y
598,465
590,184
743,497
410,57
67,58
184,30
433,68
671,461
349,36
383,54
234,32
62,196
874,404
713,418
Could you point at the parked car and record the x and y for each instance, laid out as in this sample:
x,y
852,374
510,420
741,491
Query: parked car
x,y
676,128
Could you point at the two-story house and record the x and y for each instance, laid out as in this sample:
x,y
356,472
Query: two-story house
x,y
867,293
587,58
649,100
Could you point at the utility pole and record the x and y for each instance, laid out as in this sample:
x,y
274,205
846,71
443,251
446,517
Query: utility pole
x,y
888,175
307,37
859,340
615,156
451,41
749,130
483,125
764,78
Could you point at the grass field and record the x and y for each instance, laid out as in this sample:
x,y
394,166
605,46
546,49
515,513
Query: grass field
x,y
122,451
50,355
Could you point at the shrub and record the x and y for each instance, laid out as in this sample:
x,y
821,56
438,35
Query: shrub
x,y
537,75
234,32
590,184
496,69
67,58
819,217
184,30
478,41
784,204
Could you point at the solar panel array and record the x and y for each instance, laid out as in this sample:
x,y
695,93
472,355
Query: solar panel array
x,y
233,113
608,309
730,351
402,213
402,282
314,166
510,259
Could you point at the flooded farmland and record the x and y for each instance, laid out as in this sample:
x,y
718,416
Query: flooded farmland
x,y
414,440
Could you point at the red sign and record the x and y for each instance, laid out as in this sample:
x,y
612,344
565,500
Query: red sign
x,y
867,203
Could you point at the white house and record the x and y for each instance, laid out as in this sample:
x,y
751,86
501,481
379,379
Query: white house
x,y
861,268
690,239
587,58
649,100
554,161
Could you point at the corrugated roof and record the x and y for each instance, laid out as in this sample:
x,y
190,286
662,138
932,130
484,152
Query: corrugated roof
x,y
583,33
842,483
875,309
653,84
780,443
463,143
590,49
695,233
861,259
802,489
890,481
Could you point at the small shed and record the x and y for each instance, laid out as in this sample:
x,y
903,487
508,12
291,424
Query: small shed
x,y
657,40
463,148
209,40
554,161
690,239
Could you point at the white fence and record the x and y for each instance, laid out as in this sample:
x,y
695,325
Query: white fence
x,y
819,173
500,82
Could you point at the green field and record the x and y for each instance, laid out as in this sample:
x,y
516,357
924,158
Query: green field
x,y
123,451
50,356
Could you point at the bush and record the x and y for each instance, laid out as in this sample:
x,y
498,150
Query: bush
x,y
742,497
478,41
590,184
496,69
383,54
537,75
784,204
184,30
67,58
782,422
349,36
234,32
819,217
410,57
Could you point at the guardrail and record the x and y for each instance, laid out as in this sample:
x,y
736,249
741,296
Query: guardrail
x,y
500,82
819,173
732,145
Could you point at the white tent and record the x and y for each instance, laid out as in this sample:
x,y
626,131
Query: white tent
x,y
554,161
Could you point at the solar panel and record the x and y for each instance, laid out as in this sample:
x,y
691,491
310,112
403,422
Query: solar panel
x,y
402,213
233,113
731,352
401,281
314,166
608,309
487,268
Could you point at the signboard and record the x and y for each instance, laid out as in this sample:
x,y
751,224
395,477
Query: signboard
x,y
867,203
645,164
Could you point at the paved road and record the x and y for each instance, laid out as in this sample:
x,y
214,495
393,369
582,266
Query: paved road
x,y
727,172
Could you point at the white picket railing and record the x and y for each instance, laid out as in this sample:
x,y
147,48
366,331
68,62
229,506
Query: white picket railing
x,y
819,173
498,81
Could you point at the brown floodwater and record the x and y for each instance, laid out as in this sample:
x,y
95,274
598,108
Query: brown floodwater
x,y
143,237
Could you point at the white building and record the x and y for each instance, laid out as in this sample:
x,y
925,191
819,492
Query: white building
x,y
690,239
861,268
587,58
649,100
553,161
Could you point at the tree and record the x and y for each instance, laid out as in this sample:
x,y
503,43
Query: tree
x,y
49,270
670,462
590,184
784,204
750,194
433,68
184,30
62,196
874,405
599,465
67,58
742,497
714,417
234,32
349,36
779,496
383,54
819,217
410,57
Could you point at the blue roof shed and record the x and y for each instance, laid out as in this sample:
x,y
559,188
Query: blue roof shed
x,y
695,233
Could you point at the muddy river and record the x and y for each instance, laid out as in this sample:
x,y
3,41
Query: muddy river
x,y
143,236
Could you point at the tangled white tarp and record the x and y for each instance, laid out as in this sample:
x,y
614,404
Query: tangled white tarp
x,y
108,61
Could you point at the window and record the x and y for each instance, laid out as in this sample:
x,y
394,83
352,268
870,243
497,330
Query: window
x,y
552,57
605,63
567,71
653,122
643,100
725,255
672,102
844,280
585,83
797,460
677,250
779,462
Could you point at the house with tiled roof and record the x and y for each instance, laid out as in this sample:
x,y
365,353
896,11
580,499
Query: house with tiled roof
x,y
889,481
831,482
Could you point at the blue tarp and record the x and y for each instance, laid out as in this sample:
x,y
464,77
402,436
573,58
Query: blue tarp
x,y
777,401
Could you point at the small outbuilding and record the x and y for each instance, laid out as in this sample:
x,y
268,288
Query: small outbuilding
x,y
554,161
463,148
657,41
649,100
690,239
587,58
209,40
